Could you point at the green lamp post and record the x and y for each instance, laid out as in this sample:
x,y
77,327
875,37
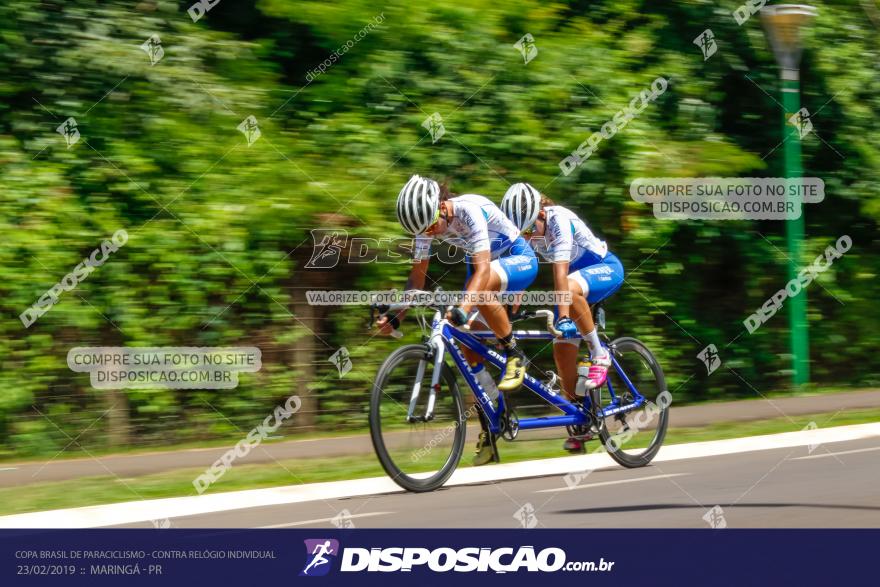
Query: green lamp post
x,y
782,25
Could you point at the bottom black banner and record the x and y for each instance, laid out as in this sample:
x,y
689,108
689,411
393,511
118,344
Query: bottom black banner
x,y
468,557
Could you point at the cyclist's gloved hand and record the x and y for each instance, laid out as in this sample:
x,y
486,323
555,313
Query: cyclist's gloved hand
x,y
567,327
392,319
388,324
457,316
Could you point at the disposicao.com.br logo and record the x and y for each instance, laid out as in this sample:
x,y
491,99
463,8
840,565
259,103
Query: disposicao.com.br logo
x,y
442,560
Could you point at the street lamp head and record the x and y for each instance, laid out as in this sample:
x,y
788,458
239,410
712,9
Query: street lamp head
x,y
782,25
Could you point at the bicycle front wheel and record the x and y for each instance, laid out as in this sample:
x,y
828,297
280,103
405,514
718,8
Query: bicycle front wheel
x,y
418,455
633,438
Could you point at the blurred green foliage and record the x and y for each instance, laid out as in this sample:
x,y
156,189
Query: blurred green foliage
x,y
219,230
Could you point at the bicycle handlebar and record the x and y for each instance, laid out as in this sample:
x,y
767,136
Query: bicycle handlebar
x,y
546,314
550,327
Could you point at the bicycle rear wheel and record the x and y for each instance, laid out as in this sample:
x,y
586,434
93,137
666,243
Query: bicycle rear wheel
x,y
417,455
633,438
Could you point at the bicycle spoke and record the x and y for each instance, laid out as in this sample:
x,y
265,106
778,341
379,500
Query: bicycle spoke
x,y
411,449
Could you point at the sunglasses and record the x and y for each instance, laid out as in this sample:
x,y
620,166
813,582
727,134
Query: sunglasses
x,y
437,217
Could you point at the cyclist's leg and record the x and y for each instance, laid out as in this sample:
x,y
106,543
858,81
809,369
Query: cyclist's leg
x,y
565,354
513,273
477,363
588,285
565,351
492,315
478,324
580,309
486,449
592,284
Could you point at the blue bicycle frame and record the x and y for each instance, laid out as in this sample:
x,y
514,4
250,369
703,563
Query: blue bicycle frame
x,y
446,338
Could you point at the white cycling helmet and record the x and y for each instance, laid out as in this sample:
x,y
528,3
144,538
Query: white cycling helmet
x,y
521,205
418,204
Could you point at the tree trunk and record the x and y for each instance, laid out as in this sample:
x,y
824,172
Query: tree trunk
x,y
118,420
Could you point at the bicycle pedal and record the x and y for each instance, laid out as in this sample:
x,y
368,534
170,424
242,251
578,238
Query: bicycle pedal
x,y
574,448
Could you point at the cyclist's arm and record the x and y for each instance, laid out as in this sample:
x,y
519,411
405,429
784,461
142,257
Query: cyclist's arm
x,y
416,280
560,246
479,278
560,281
418,275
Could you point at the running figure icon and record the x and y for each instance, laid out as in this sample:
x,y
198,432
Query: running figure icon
x,y
318,552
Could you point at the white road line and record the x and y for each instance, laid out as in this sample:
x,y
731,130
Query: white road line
x,y
834,454
604,483
322,520
130,512
9,469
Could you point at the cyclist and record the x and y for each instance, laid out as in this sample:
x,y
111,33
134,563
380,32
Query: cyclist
x,y
498,259
583,266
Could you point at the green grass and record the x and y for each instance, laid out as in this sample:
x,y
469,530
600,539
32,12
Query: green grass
x,y
108,489
72,452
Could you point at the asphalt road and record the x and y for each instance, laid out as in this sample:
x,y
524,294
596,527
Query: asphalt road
x,y
131,465
837,485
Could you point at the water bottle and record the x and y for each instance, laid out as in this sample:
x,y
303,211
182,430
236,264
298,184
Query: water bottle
x,y
583,368
486,382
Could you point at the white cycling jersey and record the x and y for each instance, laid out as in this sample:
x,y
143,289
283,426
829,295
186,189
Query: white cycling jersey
x,y
477,225
567,238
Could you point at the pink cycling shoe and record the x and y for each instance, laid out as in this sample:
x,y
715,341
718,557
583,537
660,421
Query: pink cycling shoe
x,y
597,372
